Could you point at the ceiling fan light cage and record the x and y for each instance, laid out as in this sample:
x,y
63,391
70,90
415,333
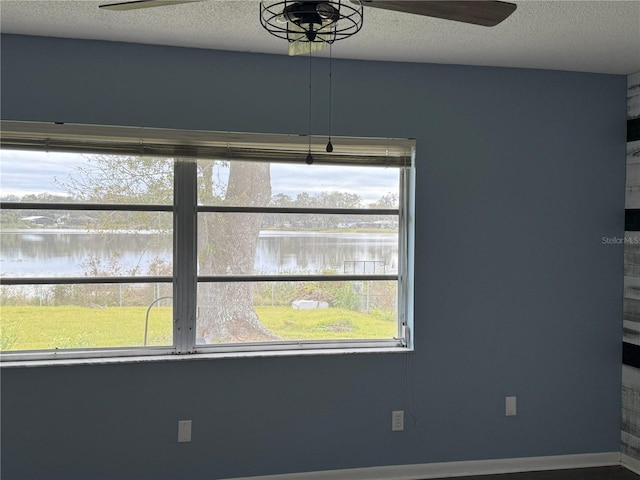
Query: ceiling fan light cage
x,y
312,21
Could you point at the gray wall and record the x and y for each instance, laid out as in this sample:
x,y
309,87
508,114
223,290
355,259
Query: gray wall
x,y
520,173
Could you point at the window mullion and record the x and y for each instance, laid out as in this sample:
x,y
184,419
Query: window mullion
x,y
185,255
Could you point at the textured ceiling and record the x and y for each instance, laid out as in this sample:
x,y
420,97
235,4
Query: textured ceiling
x,y
588,36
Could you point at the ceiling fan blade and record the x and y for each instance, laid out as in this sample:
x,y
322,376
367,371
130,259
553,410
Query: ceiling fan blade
x,y
135,4
479,12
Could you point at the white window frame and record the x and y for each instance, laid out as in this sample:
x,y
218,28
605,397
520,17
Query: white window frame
x,y
186,147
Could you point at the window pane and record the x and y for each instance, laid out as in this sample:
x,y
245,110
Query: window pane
x,y
296,185
283,311
85,243
45,317
51,177
297,244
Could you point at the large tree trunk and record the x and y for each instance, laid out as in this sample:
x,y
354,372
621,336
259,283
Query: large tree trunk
x,y
228,246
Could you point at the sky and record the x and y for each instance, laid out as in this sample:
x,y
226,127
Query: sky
x,y
23,173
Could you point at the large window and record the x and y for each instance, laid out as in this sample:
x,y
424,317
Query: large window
x,y
119,241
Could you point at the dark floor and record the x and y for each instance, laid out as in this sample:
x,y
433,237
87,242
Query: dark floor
x,y
601,473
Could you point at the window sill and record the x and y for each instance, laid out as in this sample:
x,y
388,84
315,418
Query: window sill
x,y
197,356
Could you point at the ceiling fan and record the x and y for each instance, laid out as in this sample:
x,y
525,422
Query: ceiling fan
x,y
317,23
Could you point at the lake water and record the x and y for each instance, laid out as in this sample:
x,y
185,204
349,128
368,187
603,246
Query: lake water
x,y
45,252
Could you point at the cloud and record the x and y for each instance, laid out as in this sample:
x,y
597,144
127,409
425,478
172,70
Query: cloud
x,y
370,183
23,173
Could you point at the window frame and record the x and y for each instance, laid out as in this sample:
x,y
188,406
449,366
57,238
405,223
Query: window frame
x,y
186,147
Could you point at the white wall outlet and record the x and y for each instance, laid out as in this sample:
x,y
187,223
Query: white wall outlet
x,y
184,431
397,420
510,406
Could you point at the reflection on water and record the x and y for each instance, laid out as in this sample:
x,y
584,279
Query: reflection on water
x,y
76,253
280,252
72,253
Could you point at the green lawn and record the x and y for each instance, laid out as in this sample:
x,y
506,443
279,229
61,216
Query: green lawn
x,y
327,324
35,328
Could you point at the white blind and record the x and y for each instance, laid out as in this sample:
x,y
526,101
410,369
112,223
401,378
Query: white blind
x,y
203,145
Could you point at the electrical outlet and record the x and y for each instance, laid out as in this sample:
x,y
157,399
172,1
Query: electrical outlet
x,y
397,421
184,431
510,406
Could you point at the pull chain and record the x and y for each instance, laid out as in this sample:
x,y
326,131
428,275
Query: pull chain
x,y
329,144
309,158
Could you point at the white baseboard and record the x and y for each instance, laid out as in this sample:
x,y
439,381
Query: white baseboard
x,y
631,463
456,469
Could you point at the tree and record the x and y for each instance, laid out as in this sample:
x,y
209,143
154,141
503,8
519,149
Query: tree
x,y
279,220
319,200
339,200
336,200
121,179
388,200
227,245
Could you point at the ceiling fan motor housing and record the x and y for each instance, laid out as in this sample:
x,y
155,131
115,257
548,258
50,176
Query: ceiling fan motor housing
x,y
314,21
